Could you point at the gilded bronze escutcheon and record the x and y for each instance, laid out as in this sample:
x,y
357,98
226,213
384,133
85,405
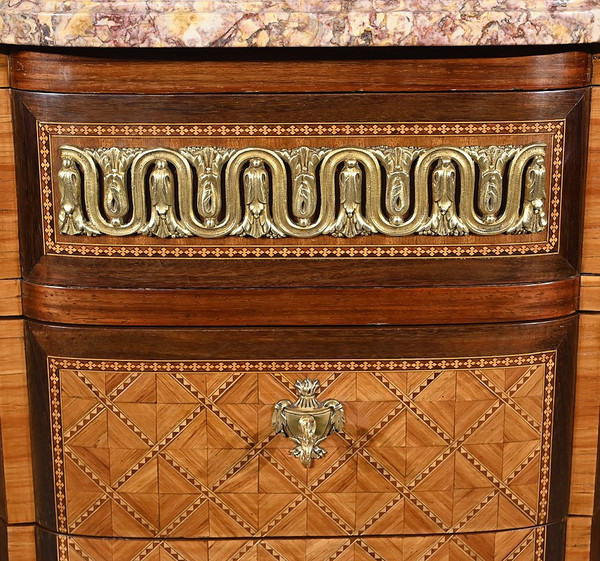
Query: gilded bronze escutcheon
x,y
307,421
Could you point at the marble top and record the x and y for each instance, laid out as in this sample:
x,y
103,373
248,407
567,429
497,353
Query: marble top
x,y
297,23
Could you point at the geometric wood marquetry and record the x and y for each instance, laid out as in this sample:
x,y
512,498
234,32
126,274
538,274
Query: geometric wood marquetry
x,y
186,449
514,545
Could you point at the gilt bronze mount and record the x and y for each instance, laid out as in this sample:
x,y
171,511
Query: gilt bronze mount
x,y
307,421
213,192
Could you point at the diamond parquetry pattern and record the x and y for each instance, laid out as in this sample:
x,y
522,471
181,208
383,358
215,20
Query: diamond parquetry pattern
x,y
171,450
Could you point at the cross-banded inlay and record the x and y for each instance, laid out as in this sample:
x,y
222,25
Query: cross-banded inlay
x,y
180,449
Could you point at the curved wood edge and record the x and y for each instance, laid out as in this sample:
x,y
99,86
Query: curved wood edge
x,y
298,70
307,306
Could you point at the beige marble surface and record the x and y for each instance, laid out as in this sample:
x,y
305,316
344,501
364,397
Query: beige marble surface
x,y
295,23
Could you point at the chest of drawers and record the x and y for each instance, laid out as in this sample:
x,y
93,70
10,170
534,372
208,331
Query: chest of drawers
x,y
387,241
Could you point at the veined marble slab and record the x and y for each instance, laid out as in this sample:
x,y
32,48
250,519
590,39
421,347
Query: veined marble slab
x,y
297,23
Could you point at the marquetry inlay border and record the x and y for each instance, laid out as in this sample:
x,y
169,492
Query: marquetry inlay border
x,y
322,247
234,371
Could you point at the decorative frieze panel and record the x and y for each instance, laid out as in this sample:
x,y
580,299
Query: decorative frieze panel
x,y
212,192
323,190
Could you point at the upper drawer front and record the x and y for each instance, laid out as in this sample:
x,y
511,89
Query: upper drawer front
x,y
183,442
289,183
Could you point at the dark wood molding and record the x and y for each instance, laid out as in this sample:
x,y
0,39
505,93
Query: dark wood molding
x,y
301,306
298,70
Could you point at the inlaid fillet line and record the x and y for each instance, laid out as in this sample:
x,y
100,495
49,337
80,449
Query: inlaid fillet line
x,y
152,546
406,491
116,392
182,471
410,404
284,382
522,380
185,514
88,512
504,489
250,528
478,508
464,547
221,390
309,494
535,452
173,552
357,445
159,446
244,460
506,398
514,554
455,445
211,406
110,406
83,422
540,542
436,547
431,378
80,551
112,493
346,544
245,548
368,549
330,380
380,513
269,548
290,507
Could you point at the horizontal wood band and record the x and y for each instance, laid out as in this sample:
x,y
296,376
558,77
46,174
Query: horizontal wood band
x,y
297,70
544,543
325,306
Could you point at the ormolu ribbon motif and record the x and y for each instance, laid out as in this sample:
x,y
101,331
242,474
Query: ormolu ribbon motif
x,y
211,192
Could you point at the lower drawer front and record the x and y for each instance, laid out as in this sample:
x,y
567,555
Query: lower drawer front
x,y
170,434
539,544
